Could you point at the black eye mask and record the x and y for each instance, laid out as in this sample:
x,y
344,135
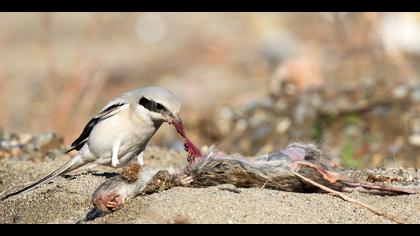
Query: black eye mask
x,y
153,106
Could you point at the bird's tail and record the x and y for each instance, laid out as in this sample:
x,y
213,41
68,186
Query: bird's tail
x,y
70,165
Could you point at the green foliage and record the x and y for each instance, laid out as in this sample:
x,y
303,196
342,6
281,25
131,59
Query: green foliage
x,y
317,132
352,119
348,154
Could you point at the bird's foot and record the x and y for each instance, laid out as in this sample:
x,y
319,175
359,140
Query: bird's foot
x,y
115,162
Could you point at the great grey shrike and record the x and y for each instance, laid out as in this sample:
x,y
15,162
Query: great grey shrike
x,y
119,133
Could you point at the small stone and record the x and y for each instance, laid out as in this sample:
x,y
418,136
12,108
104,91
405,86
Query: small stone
x,y
415,126
16,152
415,95
14,143
400,92
5,136
28,148
241,125
283,125
47,141
261,132
25,138
14,136
229,187
414,139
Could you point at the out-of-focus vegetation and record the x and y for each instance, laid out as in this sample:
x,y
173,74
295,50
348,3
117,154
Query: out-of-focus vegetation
x,y
249,82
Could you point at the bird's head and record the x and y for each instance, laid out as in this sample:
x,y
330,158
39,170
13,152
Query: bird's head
x,y
159,104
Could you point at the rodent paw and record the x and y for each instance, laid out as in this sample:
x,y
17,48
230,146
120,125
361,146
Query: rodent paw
x,y
185,180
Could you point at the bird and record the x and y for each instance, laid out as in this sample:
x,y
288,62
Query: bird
x,y
119,133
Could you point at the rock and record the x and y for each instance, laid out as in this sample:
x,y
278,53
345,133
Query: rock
x,y
400,92
415,95
283,125
25,138
23,146
414,139
47,141
229,187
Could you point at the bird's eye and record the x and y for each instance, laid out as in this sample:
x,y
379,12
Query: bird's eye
x,y
152,105
146,103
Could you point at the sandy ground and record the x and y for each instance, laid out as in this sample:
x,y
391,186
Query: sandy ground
x,y
67,200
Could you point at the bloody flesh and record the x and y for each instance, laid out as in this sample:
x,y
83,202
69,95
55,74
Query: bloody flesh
x,y
193,151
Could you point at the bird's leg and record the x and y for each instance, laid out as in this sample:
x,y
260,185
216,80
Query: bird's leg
x,y
115,148
140,159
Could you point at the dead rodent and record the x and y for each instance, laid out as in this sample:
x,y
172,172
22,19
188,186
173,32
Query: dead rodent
x,y
276,170
272,171
132,181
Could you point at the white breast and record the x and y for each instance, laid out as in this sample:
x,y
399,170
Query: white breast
x,y
133,135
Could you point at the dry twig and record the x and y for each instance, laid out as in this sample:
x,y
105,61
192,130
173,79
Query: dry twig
x,y
352,200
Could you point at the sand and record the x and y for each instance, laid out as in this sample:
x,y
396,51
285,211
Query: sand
x,y
68,200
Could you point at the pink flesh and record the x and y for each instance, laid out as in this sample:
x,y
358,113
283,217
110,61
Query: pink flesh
x,y
295,154
193,151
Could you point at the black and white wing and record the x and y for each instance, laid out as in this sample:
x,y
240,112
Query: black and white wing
x,y
109,110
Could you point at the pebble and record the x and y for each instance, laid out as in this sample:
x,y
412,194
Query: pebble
x,y
414,139
320,115
229,187
283,125
400,92
23,146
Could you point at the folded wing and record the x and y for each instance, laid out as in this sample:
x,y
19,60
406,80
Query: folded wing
x,y
109,110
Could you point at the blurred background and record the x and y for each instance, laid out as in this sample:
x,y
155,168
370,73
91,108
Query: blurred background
x,y
248,82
